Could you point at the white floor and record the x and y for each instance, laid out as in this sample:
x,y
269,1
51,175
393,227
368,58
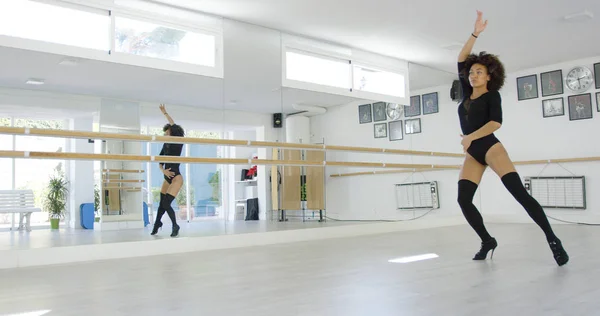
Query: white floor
x,y
343,276
45,238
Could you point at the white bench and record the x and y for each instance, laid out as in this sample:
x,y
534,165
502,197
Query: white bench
x,y
18,201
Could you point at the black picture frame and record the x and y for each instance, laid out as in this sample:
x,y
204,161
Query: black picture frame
x,y
580,107
553,107
527,87
552,83
414,109
364,114
379,112
430,103
597,75
412,126
597,101
395,130
380,130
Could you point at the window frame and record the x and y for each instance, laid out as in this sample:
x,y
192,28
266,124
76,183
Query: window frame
x,y
123,58
352,92
166,64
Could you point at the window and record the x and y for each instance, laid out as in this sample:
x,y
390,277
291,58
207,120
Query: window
x,y
318,70
380,82
55,24
157,41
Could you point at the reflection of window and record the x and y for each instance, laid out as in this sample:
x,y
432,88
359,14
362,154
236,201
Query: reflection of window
x,y
56,24
318,70
381,82
6,143
156,41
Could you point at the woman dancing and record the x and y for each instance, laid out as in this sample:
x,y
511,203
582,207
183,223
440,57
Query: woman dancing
x,y
173,178
480,115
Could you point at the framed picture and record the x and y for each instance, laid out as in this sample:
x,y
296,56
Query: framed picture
x,y
597,75
527,87
379,112
553,107
580,106
412,126
380,130
598,101
414,109
395,130
364,114
552,83
430,103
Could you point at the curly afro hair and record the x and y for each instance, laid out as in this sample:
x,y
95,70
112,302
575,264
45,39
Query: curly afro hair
x,y
175,130
494,66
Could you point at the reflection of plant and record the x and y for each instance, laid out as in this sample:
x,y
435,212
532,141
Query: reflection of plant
x,y
181,198
56,198
215,183
303,192
96,198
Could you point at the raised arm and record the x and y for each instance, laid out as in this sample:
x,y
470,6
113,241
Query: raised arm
x,y
480,25
164,111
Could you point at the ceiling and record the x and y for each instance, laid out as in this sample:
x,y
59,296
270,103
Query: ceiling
x,y
524,33
531,36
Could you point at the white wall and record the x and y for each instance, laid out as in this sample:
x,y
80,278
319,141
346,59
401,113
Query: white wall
x,y
525,134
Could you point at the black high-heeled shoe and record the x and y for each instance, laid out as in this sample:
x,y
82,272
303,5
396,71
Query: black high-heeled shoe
x,y
560,255
485,248
156,227
175,230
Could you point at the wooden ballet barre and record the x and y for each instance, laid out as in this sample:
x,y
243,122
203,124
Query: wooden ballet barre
x,y
204,141
364,173
193,160
123,181
121,171
449,167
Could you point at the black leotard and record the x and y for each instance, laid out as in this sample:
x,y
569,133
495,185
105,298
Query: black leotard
x,y
171,150
484,109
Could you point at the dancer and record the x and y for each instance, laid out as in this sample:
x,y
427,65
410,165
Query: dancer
x,y
480,115
173,178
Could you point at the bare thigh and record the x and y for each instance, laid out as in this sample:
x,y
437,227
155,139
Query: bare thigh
x,y
165,187
176,184
471,170
497,158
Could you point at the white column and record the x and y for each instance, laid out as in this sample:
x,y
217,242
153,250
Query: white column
x,y
81,173
297,129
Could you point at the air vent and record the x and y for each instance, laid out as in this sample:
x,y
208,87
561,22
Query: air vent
x,y
419,195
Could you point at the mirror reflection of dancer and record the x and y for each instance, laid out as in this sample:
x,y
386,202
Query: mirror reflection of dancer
x,y
480,114
173,178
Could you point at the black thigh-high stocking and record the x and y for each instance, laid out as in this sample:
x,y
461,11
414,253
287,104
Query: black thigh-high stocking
x,y
466,192
513,183
159,214
167,206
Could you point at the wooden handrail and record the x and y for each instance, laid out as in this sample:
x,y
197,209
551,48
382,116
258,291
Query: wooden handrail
x,y
205,141
122,171
197,160
448,167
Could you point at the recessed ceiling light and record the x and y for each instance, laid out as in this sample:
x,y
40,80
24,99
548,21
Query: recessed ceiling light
x,y
579,16
69,62
35,81
414,258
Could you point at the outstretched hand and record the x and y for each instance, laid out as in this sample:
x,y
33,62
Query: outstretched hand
x,y
480,24
162,108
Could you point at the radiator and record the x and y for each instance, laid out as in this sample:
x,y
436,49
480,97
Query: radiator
x,y
419,195
558,192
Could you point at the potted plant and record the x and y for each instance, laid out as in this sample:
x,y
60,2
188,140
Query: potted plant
x,y
56,199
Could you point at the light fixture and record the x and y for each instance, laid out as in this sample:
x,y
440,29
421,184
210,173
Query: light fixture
x,y
414,258
69,62
35,81
579,16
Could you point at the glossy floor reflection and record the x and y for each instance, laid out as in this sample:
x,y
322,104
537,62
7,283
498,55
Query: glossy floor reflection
x,y
44,238
346,276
